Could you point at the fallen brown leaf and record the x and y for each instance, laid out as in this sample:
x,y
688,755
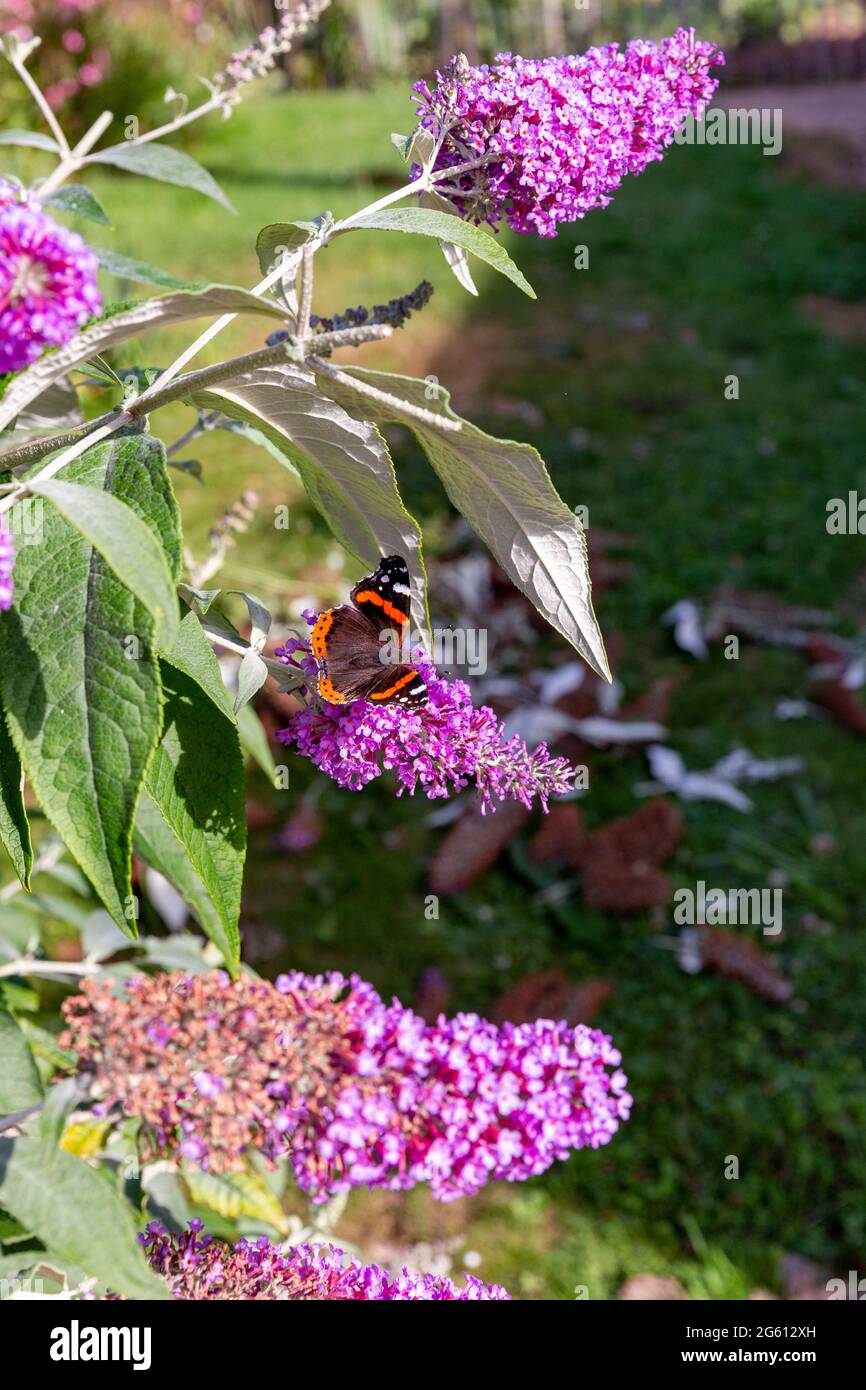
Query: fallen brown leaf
x,y
561,836
845,707
648,835
615,885
740,959
473,845
550,994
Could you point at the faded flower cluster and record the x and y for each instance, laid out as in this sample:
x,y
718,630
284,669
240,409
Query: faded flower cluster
x,y
354,1091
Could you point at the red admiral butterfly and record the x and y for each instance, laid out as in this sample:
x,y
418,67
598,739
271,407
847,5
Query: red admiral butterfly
x,y
347,647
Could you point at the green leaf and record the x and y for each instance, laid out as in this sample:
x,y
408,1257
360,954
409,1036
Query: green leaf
x,y
193,654
20,1086
429,222
196,779
46,1048
100,937
260,617
98,369
56,409
159,847
14,826
191,466
179,951
287,677
504,491
161,312
422,143
344,463
286,238
60,1102
162,162
199,600
219,629
251,677
85,717
232,1195
456,256
59,909
76,1211
34,139
254,741
77,200
124,542
129,268
284,242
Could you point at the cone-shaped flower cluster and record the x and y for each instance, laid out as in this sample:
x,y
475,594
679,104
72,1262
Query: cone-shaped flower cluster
x,y
263,54
556,136
197,1266
442,747
47,281
7,566
357,1092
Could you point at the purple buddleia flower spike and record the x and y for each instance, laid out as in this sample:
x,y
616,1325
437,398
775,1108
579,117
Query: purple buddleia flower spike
x,y
440,748
7,565
197,1266
552,138
47,283
356,1092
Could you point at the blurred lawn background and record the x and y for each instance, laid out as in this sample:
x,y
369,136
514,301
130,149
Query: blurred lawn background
x,y
699,269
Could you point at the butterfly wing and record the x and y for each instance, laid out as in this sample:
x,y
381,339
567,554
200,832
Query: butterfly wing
x,y
399,685
346,647
346,642
385,597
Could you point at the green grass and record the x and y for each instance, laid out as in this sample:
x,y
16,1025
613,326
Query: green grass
x,y
713,250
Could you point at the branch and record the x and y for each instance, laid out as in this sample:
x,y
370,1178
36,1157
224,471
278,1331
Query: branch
x,y
417,186
306,299
114,421
345,337
428,417
37,95
154,399
75,158
37,449
212,104
119,418
29,965
14,1120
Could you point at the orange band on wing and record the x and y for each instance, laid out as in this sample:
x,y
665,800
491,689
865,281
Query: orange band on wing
x,y
329,691
392,689
322,627
319,648
370,596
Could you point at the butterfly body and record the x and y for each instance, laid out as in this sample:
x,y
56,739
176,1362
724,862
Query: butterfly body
x,y
347,642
